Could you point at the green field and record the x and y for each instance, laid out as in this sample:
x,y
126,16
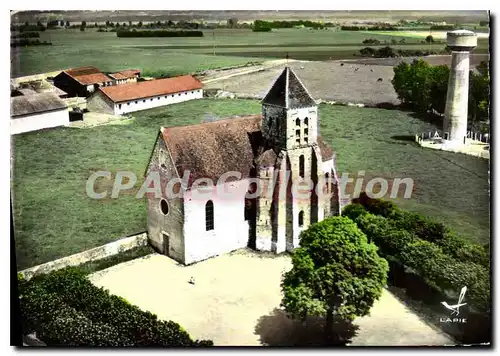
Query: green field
x,y
54,217
155,56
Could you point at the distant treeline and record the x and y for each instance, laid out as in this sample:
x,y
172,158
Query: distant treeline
x,y
26,42
262,29
443,27
389,52
30,34
158,33
290,24
369,28
26,27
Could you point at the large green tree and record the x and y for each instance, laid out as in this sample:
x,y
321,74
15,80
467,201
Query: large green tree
x,y
336,273
423,88
479,93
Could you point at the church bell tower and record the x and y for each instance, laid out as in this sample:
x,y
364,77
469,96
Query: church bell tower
x,y
290,126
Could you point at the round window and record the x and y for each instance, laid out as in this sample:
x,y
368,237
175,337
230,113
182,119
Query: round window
x,y
164,206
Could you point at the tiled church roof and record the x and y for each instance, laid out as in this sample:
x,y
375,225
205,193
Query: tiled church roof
x,y
211,149
289,92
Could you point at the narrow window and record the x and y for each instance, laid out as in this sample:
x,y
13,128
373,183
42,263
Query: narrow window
x,y
301,166
151,99
301,218
128,103
144,101
327,182
136,101
165,96
306,121
297,133
158,98
119,106
297,122
209,215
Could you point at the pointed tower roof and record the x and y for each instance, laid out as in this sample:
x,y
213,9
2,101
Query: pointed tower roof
x,y
289,92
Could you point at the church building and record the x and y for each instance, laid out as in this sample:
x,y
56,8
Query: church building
x,y
232,183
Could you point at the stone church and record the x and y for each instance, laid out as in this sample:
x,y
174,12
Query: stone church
x,y
269,152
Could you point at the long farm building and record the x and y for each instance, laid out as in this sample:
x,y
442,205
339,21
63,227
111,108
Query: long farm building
x,y
130,97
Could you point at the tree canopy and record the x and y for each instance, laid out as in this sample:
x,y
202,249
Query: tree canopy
x,y
336,273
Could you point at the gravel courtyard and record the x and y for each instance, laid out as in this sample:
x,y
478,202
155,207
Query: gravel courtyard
x,y
235,302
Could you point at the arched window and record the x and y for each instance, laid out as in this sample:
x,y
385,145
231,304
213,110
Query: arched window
x,y
301,218
306,121
327,182
297,122
209,215
301,166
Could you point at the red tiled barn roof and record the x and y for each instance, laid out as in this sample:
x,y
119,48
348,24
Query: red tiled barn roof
x,y
76,72
88,79
124,74
151,88
88,75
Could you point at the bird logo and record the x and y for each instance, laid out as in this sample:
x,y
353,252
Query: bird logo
x,y
455,309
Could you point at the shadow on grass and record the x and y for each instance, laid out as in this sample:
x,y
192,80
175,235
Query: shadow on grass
x,y
432,119
404,138
277,329
425,301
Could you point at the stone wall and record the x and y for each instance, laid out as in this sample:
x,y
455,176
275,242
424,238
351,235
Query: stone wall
x,y
100,103
97,253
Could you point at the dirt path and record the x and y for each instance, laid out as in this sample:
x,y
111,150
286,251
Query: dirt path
x,y
218,75
235,301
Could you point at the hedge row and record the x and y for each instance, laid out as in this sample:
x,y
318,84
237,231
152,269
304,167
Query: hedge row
x,y
28,34
23,42
427,229
159,33
65,308
445,261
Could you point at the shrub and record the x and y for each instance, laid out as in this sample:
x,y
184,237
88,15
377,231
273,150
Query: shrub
x,y
427,259
444,260
376,206
424,227
353,211
68,327
463,250
50,302
447,274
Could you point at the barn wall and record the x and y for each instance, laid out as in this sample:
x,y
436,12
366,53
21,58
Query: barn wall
x,y
39,121
69,85
100,103
149,103
230,232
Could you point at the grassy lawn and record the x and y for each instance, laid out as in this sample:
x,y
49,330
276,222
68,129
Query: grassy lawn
x,y
55,218
154,56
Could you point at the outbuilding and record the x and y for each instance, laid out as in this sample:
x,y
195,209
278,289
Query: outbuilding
x,y
125,98
126,76
36,112
81,81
